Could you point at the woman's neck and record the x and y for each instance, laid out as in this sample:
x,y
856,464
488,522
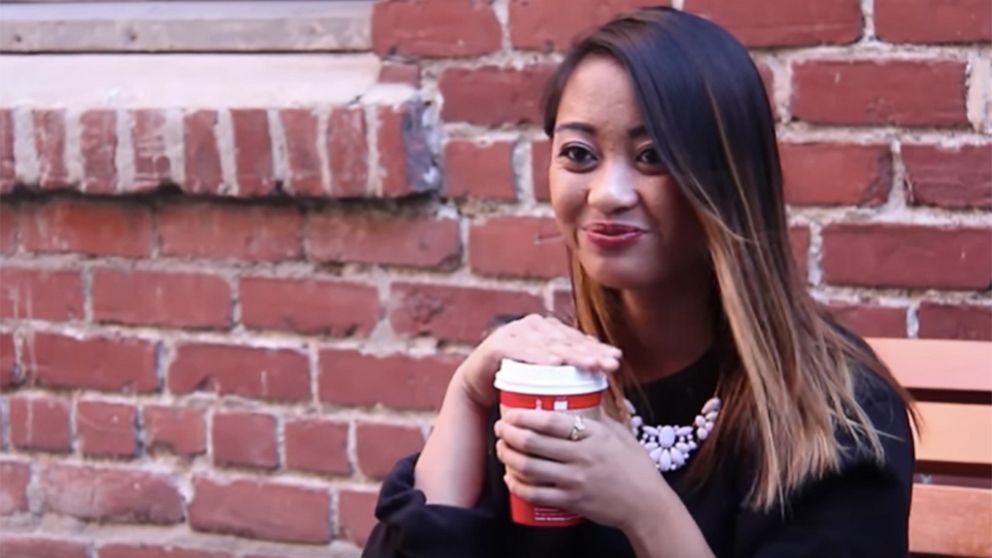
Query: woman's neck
x,y
671,327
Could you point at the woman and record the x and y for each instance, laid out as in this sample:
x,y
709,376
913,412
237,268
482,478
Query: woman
x,y
666,185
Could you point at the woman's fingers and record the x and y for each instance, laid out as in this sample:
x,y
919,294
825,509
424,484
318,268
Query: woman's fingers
x,y
537,495
530,469
576,348
541,433
547,341
550,423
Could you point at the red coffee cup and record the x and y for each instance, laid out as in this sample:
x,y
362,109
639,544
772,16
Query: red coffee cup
x,y
564,389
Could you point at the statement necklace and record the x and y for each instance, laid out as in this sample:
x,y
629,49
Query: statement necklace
x,y
670,446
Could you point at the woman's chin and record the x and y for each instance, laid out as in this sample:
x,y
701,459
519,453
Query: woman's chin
x,y
620,277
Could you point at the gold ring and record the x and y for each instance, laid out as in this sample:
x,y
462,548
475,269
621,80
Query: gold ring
x,y
578,427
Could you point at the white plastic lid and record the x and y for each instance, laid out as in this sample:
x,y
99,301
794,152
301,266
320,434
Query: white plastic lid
x,y
537,379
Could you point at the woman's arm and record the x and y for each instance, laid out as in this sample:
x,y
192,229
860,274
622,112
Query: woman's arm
x,y
452,464
664,528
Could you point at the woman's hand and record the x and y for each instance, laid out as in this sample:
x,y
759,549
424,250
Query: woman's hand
x,y
536,340
605,475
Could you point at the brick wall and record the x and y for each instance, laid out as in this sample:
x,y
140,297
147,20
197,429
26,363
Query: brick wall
x,y
223,325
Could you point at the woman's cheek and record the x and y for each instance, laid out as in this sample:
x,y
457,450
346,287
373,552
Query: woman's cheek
x,y
567,202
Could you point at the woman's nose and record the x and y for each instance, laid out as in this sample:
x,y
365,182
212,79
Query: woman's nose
x,y
612,189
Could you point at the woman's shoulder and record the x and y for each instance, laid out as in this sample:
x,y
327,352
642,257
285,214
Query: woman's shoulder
x,y
877,395
885,407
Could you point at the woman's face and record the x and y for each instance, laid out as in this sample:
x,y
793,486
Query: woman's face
x,y
620,211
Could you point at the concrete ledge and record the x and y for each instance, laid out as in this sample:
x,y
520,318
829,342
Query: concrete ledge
x,y
184,80
289,26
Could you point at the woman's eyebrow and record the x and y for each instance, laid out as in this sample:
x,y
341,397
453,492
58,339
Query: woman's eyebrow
x,y
586,128
577,127
638,131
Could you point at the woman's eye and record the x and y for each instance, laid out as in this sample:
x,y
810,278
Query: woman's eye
x,y
577,154
649,157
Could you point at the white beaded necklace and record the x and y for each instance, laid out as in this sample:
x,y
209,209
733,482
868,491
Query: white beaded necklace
x,y
670,446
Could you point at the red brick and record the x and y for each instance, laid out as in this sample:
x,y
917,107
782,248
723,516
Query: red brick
x,y
356,514
259,373
98,148
110,494
760,23
380,446
405,159
204,174
908,256
40,423
49,144
106,429
9,376
396,72
517,246
135,297
317,445
454,313
14,479
952,177
871,321
41,294
115,364
933,21
126,550
309,306
348,151
799,244
477,170
540,156
219,231
253,152
303,173
152,166
261,510
348,377
244,439
180,430
434,29
836,174
768,81
93,228
955,321
9,219
365,237
493,95
7,168
544,25
880,92
18,546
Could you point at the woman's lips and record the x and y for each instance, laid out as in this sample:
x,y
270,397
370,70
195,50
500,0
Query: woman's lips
x,y
612,236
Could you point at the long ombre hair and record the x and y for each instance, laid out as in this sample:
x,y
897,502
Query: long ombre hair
x,y
788,371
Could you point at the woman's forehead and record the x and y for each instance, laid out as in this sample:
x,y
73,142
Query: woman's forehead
x,y
599,93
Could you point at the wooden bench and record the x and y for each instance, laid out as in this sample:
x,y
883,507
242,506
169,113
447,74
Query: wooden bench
x,y
951,512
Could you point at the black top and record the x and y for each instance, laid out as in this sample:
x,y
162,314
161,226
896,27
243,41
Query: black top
x,y
860,511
